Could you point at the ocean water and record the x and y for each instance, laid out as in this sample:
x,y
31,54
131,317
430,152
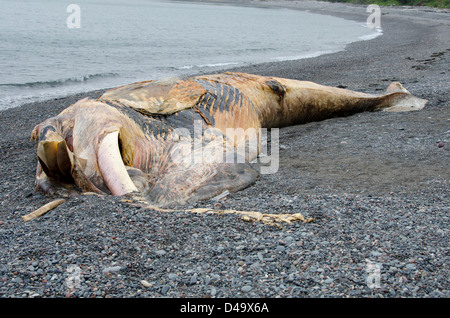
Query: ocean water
x,y
115,42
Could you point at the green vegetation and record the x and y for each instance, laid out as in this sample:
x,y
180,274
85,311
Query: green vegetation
x,y
429,3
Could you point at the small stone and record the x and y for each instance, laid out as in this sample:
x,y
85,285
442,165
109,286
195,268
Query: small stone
x,y
255,266
17,280
440,144
165,289
193,279
145,283
173,276
375,253
246,288
112,269
160,252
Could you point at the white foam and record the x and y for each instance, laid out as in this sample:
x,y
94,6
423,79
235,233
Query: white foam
x,y
371,36
209,65
302,56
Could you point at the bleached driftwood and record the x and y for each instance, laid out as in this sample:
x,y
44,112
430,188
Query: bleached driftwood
x,y
42,210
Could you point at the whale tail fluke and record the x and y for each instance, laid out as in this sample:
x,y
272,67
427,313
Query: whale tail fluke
x,y
403,100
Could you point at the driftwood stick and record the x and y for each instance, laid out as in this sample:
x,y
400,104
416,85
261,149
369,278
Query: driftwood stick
x,y
43,209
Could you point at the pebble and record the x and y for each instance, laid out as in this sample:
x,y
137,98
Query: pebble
x,y
193,279
112,269
146,283
246,288
375,253
165,289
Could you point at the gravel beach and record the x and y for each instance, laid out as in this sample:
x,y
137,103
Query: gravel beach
x,y
376,185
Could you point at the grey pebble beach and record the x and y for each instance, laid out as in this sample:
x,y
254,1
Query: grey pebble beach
x,y
376,185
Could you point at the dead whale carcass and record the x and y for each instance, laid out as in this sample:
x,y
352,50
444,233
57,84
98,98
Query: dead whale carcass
x,y
136,138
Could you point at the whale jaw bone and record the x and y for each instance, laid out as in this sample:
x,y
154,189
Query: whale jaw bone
x,y
112,168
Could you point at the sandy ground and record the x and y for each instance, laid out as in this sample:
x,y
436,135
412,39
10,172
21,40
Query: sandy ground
x,y
376,184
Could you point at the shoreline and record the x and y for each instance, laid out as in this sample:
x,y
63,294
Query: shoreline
x,y
348,11
44,95
376,184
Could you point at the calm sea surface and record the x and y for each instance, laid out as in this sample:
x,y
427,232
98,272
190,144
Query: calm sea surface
x,y
122,41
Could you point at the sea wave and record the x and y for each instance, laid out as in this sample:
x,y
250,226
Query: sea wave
x,y
187,67
61,82
371,36
302,56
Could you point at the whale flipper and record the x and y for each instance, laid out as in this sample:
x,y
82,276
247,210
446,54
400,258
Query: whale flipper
x,y
200,182
405,102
